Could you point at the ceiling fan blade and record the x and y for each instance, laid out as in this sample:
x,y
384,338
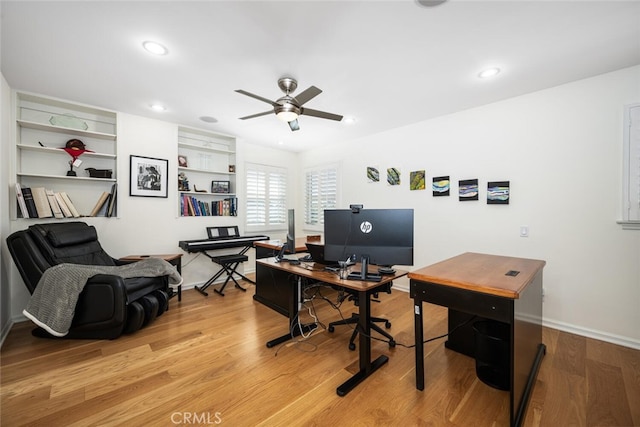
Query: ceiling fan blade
x,y
320,114
258,97
307,95
257,115
293,124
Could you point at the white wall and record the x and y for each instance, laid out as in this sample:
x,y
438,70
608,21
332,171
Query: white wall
x,y
5,265
561,150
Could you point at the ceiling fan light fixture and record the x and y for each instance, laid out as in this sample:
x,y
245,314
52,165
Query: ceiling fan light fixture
x,y
287,112
287,116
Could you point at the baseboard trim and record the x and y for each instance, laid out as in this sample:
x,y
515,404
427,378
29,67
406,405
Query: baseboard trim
x,y
5,332
577,330
592,333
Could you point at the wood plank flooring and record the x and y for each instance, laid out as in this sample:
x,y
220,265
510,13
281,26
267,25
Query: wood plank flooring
x,y
204,362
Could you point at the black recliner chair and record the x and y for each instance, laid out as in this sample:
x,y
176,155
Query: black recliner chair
x,y
108,305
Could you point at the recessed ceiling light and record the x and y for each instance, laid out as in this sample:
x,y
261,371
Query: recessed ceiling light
x,y
209,119
489,72
155,48
349,120
158,107
430,3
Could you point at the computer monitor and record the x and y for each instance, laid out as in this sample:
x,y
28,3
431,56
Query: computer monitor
x,y
290,245
372,236
291,231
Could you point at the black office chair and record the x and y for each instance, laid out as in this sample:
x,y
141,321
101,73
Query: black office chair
x,y
353,320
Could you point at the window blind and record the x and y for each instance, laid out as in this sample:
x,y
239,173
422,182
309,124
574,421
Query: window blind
x,y
266,197
321,192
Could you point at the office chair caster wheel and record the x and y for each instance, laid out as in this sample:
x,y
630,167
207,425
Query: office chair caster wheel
x,y
392,343
331,328
352,346
387,324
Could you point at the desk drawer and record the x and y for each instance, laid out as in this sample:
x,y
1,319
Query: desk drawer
x,y
483,305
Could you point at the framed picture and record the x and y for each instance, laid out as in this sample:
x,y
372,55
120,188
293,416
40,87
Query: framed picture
x,y
220,186
182,161
148,177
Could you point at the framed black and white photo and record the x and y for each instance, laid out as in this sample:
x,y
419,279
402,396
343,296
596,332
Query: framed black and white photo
x,y
220,187
148,177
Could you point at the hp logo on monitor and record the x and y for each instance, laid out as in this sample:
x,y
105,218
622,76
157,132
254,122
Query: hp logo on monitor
x,y
366,227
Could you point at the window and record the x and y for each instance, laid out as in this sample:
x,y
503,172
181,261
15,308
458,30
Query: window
x,y
321,192
631,168
266,197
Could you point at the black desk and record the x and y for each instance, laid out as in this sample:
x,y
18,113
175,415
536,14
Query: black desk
x,y
476,284
274,293
364,289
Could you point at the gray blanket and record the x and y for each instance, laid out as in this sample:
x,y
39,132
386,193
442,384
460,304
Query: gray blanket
x,y
53,302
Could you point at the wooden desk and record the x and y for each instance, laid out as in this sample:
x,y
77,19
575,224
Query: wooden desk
x,y
364,289
173,259
478,285
269,248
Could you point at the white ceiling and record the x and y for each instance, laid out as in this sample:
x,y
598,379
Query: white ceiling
x,y
386,63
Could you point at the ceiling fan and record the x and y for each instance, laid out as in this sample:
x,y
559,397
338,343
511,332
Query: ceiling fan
x,y
288,107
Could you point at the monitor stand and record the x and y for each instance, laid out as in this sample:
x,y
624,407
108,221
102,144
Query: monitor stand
x,y
364,274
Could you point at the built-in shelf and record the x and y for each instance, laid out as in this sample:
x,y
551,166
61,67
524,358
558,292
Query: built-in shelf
x,y
66,130
43,126
203,158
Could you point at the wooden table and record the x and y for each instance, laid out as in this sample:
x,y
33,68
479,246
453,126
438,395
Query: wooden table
x,y
269,248
486,287
173,259
364,290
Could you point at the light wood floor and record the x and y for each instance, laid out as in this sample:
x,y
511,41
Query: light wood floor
x,y
205,362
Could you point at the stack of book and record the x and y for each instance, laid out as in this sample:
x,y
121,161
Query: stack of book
x,y
190,206
40,202
105,206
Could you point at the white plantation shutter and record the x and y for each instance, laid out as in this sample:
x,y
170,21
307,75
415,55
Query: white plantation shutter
x,y
266,205
631,182
321,192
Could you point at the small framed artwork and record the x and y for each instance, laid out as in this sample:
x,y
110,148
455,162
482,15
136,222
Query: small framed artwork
x,y
220,187
441,186
467,190
148,177
232,168
182,161
498,193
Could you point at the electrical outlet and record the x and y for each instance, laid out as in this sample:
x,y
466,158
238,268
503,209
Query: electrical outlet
x,y
524,231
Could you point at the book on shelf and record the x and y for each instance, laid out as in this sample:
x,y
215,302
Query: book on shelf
x,y
111,208
21,203
63,206
30,202
42,202
102,200
70,205
53,203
